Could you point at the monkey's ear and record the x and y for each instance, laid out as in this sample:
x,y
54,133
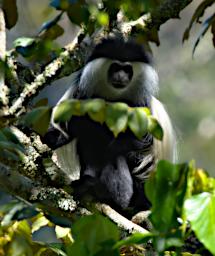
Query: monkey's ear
x,y
54,138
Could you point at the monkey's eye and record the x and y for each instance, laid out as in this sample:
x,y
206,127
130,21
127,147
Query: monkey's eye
x,y
120,74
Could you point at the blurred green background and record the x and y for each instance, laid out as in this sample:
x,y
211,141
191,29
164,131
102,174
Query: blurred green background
x,y
187,85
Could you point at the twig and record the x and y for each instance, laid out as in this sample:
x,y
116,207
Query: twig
x,y
121,221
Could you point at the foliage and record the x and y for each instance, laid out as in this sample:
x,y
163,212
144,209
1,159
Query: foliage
x,y
117,116
178,193
182,197
208,23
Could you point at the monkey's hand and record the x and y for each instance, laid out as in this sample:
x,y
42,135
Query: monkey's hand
x,y
54,138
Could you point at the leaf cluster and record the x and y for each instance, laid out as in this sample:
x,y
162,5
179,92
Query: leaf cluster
x,y
117,116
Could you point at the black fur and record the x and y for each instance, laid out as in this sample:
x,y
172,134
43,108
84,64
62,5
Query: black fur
x,y
119,49
106,162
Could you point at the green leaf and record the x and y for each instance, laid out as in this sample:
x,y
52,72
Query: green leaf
x,y
166,189
200,211
38,119
39,222
117,117
137,238
99,231
10,146
138,122
154,128
62,232
10,12
65,110
7,134
95,109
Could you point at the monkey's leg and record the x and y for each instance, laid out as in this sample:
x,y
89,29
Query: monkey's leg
x,y
118,182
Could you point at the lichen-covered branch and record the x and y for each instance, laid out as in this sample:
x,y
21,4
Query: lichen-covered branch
x,y
51,199
51,71
36,163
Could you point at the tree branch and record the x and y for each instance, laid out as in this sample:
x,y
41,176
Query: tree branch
x,y
51,199
3,89
58,68
121,221
168,9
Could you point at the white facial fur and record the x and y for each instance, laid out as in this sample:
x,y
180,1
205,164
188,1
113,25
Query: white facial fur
x,y
94,81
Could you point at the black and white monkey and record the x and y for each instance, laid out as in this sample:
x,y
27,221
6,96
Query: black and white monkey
x,y
111,169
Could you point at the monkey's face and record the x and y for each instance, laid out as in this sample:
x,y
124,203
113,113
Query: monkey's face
x,y
117,80
120,74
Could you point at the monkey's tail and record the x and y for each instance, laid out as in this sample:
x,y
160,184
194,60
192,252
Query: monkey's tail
x,y
165,149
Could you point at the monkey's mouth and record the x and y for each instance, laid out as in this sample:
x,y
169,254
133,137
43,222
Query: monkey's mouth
x,y
118,85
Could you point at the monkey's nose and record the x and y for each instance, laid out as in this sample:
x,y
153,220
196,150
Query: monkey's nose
x,y
120,74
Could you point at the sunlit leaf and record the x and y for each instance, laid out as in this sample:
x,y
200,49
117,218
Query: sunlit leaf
x,y
64,234
95,109
39,222
138,122
65,110
200,211
154,128
117,117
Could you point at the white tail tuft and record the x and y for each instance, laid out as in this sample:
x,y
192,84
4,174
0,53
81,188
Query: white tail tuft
x,y
165,149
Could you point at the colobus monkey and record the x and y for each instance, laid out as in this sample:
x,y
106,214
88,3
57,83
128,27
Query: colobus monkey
x,y
111,169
